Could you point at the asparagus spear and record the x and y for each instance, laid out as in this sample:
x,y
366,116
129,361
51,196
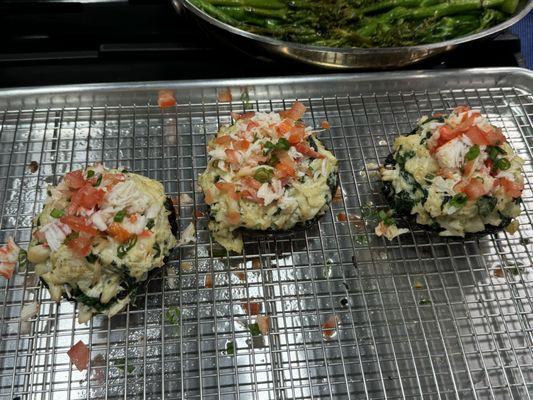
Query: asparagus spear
x,y
242,13
265,4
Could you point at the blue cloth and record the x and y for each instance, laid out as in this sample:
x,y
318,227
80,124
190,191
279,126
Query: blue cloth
x,y
524,29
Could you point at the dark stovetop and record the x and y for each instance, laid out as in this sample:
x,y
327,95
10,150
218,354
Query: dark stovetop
x,y
66,41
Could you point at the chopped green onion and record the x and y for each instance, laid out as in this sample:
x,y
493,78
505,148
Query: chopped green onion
x,y
263,175
269,146
283,144
502,164
230,348
23,259
150,223
493,152
472,153
429,177
273,160
98,181
57,213
119,217
90,174
125,171
254,329
124,248
91,258
386,218
458,201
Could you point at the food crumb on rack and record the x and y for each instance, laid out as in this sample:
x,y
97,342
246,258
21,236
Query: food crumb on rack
x,y
208,281
330,326
33,166
263,321
418,285
79,355
165,99
29,311
224,96
9,255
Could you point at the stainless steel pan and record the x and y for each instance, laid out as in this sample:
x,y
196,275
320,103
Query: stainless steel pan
x,y
341,57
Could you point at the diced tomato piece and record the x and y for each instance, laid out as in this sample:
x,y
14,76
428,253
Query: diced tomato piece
x,y
511,188
252,308
232,156
461,109
446,134
79,355
251,125
233,217
166,99
284,170
80,245
228,188
251,194
329,327
342,217
296,111
117,232
284,126
474,189
224,140
445,173
495,137
74,179
308,151
477,136
88,196
251,182
145,234
325,125
297,134
242,145
466,123
245,115
78,224
225,96
133,218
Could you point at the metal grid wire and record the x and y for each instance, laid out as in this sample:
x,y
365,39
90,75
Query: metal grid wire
x,y
420,316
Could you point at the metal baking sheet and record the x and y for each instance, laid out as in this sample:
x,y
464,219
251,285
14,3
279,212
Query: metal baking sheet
x,y
420,317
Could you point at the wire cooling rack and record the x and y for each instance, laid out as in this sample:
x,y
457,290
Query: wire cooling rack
x,y
419,317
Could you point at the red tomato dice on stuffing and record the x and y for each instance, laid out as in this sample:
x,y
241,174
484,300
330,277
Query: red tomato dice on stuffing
x,y
75,179
80,245
477,136
79,355
88,196
511,188
79,224
474,189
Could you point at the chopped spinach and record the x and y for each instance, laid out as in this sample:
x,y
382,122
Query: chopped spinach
x,y
150,223
402,157
486,205
23,259
172,315
254,329
230,348
458,201
124,248
91,258
157,250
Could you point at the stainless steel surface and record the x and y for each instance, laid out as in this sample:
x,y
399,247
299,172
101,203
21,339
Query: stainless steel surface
x,y
345,57
421,316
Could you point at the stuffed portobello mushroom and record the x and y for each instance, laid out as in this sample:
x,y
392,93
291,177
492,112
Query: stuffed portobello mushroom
x,y
266,173
455,174
99,235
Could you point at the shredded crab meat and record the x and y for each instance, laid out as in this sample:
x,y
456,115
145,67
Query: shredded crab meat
x,y
9,255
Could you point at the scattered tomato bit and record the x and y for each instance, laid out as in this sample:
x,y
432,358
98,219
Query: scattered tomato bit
x,y
263,321
240,274
166,99
198,214
418,285
329,328
186,266
118,233
9,255
325,125
342,217
33,166
499,273
338,195
256,263
251,308
208,281
133,218
79,355
225,96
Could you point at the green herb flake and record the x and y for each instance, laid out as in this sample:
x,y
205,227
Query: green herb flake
x,y
119,217
472,153
245,98
230,348
172,315
254,329
120,363
502,164
459,200
157,250
424,302
268,146
124,248
263,175
386,217
494,151
90,174
273,160
23,259
98,181
283,144
429,177
55,213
